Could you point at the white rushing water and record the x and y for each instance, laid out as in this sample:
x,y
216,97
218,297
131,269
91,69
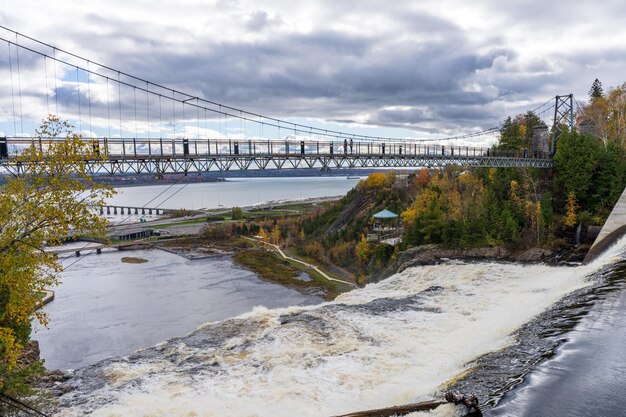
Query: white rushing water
x,y
391,343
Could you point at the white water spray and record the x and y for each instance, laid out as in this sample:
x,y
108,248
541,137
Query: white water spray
x,y
390,343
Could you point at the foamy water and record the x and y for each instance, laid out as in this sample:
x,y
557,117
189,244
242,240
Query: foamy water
x,y
391,343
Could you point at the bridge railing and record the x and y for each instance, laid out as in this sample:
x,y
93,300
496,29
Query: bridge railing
x,y
159,148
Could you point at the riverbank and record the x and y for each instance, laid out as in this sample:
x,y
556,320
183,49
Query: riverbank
x,y
264,261
432,254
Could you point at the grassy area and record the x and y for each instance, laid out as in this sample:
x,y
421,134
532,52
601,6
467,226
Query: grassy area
x,y
271,266
182,222
294,254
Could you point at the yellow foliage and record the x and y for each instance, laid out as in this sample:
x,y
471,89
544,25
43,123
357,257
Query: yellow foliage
x,y
470,184
571,206
363,251
276,235
53,198
420,204
454,205
378,180
516,199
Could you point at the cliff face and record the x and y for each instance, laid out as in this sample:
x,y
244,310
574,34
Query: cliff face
x,y
434,254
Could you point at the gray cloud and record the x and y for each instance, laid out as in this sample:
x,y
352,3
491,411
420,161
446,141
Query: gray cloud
x,y
383,63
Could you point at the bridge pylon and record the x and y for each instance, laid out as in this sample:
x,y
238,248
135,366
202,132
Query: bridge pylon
x,y
563,116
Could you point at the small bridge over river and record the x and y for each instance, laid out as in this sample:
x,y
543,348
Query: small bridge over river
x,y
132,210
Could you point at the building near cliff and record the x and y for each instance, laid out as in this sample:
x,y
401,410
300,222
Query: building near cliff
x,y
386,226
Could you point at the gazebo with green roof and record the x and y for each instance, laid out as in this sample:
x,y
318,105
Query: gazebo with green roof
x,y
385,215
386,225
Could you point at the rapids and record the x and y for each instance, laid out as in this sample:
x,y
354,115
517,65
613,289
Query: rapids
x,y
390,343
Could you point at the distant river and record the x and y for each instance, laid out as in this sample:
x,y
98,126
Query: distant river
x,y
233,192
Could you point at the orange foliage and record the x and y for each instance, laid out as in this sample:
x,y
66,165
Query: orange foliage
x,y
422,178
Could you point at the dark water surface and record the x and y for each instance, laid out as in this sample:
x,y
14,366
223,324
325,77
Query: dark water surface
x,y
587,374
104,307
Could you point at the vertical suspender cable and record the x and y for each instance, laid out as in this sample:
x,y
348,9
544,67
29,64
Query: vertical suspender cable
x,y
148,110
160,117
135,105
89,96
173,114
56,88
12,90
119,99
184,119
19,83
108,108
45,70
198,117
80,118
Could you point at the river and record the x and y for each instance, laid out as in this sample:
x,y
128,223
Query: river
x,y
105,307
393,342
233,192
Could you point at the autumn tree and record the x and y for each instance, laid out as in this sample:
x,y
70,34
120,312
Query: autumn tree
x,y
571,208
53,198
275,235
363,250
606,114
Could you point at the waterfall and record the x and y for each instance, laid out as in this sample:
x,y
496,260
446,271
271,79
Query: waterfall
x,y
390,343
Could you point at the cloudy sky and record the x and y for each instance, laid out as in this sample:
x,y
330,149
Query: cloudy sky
x,y
438,67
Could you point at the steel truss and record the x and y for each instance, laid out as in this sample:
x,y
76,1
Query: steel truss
x,y
160,156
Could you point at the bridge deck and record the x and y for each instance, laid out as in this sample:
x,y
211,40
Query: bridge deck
x,y
134,155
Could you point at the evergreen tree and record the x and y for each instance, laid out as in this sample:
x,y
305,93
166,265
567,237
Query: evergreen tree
x,y
575,161
596,91
511,136
432,223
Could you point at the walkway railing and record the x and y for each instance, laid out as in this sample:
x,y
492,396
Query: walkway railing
x,y
182,155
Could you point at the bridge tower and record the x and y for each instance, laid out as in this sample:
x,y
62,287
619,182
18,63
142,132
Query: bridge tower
x,y
563,115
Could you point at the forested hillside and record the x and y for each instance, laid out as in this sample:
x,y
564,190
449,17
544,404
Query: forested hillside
x,y
459,208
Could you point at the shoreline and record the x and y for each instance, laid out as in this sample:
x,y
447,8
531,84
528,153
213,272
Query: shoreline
x,y
268,268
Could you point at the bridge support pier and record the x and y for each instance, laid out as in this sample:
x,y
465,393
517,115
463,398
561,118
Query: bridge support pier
x,y
136,210
98,251
108,210
77,253
114,210
143,211
101,211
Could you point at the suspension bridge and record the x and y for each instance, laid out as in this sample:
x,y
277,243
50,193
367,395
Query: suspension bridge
x,y
139,126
